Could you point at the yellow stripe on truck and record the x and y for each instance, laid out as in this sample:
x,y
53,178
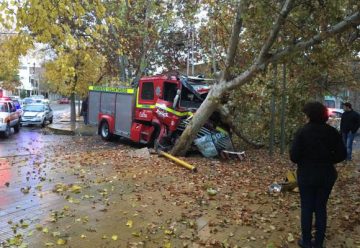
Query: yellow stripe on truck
x,y
112,89
177,113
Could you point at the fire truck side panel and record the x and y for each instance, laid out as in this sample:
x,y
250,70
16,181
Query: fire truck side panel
x,y
94,107
124,116
115,105
107,105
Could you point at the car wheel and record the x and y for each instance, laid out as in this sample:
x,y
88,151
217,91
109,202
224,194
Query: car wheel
x,y
51,120
105,131
7,131
43,123
17,127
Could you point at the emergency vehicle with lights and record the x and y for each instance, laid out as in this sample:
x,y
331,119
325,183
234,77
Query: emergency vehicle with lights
x,y
154,112
9,117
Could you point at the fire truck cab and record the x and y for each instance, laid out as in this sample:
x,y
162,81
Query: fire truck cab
x,y
146,113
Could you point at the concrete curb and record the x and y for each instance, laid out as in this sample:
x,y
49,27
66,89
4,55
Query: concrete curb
x,y
79,131
62,131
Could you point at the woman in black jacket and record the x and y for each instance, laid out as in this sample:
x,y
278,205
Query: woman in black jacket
x,y
315,149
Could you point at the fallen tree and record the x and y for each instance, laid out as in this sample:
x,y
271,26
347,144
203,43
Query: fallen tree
x,y
227,83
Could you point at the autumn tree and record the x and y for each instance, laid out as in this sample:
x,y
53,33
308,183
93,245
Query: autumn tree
x,y
328,21
12,45
69,28
138,37
62,74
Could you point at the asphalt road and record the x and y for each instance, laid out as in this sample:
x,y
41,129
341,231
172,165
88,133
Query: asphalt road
x,y
29,160
22,142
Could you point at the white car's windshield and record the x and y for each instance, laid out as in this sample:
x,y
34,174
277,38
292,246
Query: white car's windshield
x,y
34,108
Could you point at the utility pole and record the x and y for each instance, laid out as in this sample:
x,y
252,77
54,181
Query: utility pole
x,y
188,52
213,53
272,113
192,50
283,108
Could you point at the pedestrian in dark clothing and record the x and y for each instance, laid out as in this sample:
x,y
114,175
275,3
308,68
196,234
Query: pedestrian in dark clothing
x,y
315,149
350,122
84,110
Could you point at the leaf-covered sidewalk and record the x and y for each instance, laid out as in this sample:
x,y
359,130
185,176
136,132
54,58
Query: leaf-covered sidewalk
x,y
89,194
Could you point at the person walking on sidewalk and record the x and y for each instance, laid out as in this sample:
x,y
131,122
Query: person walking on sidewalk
x,y
84,110
350,122
315,149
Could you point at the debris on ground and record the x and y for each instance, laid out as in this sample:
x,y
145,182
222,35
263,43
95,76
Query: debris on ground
x,y
140,153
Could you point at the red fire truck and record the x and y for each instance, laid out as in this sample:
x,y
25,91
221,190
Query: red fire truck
x,y
155,111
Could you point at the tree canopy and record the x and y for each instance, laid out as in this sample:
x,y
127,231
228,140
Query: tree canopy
x,y
11,48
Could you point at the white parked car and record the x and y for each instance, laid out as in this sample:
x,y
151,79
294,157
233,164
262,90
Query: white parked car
x,y
37,114
9,118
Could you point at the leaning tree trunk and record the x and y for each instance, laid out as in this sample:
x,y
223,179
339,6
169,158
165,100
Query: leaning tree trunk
x,y
202,115
264,57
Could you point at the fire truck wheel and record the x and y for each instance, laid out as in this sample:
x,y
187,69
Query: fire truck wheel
x,y
105,131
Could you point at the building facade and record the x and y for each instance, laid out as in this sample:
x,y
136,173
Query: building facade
x,y
30,77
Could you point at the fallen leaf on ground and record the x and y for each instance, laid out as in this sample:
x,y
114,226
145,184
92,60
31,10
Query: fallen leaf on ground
x,y
129,223
61,242
75,189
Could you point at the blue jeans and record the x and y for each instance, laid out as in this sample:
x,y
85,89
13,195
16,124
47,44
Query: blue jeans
x,y
348,139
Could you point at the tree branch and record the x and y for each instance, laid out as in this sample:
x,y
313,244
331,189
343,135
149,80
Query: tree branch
x,y
234,40
320,37
287,7
348,22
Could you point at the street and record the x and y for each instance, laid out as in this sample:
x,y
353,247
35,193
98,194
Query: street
x,y
31,162
31,138
75,191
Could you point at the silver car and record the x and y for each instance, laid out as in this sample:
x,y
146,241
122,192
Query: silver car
x,y
37,114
